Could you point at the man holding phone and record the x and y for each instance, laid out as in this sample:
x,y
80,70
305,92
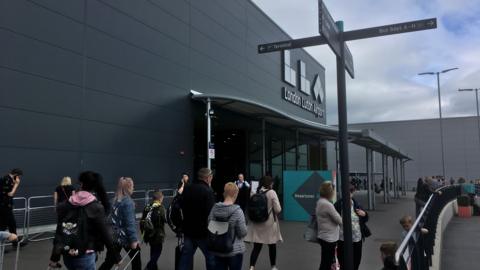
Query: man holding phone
x,y
8,187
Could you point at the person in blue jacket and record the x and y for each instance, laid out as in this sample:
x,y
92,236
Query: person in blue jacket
x,y
124,226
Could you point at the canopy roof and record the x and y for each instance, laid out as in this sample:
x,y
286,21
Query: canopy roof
x,y
366,138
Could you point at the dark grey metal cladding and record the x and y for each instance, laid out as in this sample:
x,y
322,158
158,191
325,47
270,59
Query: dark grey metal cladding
x,y
104,84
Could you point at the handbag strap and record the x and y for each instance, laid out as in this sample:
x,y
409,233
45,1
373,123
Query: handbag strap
x,y
65,193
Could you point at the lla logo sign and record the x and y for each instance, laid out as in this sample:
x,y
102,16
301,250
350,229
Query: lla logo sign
x,y
311,95
300,193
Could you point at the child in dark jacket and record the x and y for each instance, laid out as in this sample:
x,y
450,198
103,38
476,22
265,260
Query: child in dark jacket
x,y
152,227
387,250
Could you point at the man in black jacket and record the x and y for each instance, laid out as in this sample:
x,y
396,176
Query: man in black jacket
x,y
198,199
244,192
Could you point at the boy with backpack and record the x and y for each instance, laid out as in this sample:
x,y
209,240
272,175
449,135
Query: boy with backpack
x,y
152,227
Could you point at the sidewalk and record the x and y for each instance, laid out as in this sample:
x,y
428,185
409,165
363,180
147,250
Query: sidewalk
x,y
461,245
294,253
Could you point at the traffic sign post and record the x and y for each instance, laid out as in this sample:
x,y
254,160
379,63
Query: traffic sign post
x,y
347,263
332,34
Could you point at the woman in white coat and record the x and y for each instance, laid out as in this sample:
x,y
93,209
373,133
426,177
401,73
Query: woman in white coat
x,y
268,232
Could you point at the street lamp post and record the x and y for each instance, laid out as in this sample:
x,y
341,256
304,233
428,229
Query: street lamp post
x,y
440,111
478,110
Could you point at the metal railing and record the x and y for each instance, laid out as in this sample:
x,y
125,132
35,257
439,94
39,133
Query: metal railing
x,y
36,217
416,250
20,213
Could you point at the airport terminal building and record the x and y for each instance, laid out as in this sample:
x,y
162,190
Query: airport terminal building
x,y
421,140
122,88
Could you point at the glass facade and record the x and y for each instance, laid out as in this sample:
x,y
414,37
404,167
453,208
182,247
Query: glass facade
x,y
239,148
285,150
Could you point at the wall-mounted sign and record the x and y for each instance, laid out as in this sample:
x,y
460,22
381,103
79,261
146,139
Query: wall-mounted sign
x,y
310,96
211,151
302,102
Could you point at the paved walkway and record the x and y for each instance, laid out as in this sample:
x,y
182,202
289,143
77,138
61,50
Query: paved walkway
x,y
461,244
294,253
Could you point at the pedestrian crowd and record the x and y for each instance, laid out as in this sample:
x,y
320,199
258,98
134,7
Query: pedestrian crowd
x,y
89,223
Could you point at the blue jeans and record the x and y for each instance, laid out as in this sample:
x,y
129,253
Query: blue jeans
x,y
190,246
83,262
229,263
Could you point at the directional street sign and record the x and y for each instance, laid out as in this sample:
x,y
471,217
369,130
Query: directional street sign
x,y
391,29
329,30
291,44
349,61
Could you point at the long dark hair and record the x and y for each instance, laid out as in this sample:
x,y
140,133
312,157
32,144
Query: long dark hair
x,y
266,182
93,182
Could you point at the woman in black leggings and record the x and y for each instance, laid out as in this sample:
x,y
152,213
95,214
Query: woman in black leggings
x,y
272,252
268,232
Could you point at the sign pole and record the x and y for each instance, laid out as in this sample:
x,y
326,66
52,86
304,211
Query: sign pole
x,y
343,144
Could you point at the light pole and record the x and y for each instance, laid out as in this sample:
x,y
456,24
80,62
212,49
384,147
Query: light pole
x,y
478,111
440,111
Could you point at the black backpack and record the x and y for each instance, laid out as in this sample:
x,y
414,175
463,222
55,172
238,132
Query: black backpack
x,y
175,214
73,234
258,207
147,223
220,236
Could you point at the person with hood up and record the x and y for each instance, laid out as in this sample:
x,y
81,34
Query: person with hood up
x,y
237,227
94,233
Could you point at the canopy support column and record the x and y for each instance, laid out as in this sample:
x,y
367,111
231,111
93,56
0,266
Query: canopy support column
x,y
297,154
373,170
369,168
209,132
386,179
264,150
395,177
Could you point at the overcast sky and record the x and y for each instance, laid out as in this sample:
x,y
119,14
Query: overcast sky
x,y
387,86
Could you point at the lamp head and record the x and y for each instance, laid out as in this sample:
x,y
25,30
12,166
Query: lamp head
x,y
447,70
427,73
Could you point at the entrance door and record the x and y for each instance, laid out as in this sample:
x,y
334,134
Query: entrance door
x,y
230,158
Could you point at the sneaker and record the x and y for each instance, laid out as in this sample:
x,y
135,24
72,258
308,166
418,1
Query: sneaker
x,y
274,268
